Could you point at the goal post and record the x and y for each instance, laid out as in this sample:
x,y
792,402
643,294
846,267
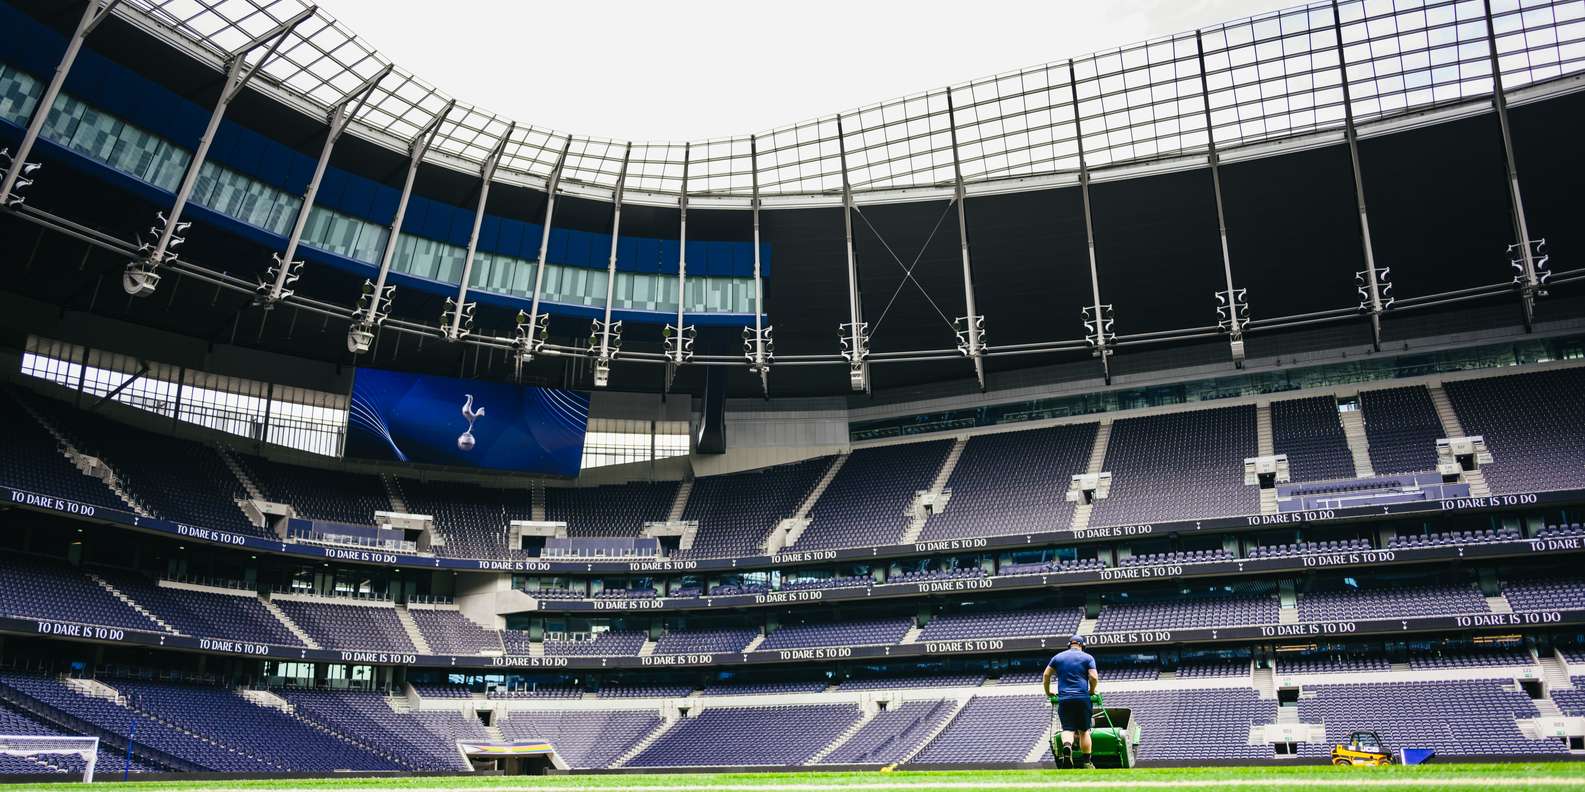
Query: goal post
x,y
40,748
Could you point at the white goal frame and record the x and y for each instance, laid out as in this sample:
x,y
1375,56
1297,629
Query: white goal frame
x,y
34,745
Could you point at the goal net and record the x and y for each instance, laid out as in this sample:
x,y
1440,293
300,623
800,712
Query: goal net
x,y
49,754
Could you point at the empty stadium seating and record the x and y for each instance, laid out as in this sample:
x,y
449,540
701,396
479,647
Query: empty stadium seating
x,y
319,494
743,736
1013,482
472,519
582,739
36,587
1308,431
1532,427
844,633
614,510
1179,466
891,734
336,625
990,729
1402,428
1389,603
867,502
737,511
1462,718
1180,612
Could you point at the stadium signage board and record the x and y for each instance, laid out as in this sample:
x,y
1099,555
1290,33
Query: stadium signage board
x,y
1200,635
48,503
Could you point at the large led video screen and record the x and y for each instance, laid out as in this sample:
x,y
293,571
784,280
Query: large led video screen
x,y
446,421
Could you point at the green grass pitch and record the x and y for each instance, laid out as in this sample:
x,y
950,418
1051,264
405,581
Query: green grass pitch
x,y
1425,778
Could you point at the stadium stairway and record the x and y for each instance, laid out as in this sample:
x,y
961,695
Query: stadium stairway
x,y
637,748
1444,410
301,634
754,644
1555,672
85,463
865,716
820,487
1265,441
957,707
1358,444
131,603
1103,438
679,503
411,628
393,491
918,516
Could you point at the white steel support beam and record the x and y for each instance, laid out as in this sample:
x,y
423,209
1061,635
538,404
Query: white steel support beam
x,y
287,268
532,328
142,276
93,13
605,350
1372,277
374,304
1529,278
461,308
1234,298
679,338
759,357
972,343
1100,335
855,335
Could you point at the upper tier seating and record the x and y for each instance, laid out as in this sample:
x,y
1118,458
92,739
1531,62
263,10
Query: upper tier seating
x,y
990,729
774,736
854,581
1466,718
319,493
891,734
335,625
616,689
913,681
1533,427
472,519
176,479
1042,567
1210,669
43,588
1402,428
1178,557
1013,482
763,688
1182,612
1002,624
583,739
449,632
1308,431
845,633
867,502
1179,466
738,510
235,615
612,510
1390,603
33,462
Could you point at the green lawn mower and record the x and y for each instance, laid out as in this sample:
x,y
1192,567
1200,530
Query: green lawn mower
x,y
1114,737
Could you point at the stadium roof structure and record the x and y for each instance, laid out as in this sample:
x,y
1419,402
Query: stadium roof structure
x,y
1266,77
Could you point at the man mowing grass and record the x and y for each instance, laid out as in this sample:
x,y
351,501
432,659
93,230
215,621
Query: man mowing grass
x,y
1076,699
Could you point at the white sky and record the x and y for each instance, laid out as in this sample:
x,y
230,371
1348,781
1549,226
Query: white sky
x,y
629,69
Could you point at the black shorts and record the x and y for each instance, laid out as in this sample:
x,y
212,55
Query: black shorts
x,y
1076,714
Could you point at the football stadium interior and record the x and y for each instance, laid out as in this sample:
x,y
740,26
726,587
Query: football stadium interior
x,y
1253,354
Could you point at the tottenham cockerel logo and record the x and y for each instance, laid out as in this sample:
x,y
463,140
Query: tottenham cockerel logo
x,y
465,440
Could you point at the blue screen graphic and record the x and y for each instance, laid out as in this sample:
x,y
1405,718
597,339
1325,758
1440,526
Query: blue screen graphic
x,y
446,421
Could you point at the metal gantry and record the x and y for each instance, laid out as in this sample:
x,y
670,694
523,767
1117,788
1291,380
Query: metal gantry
x,y
142,275
605,339
971,328
287,269
533,328
1233,307
855,336
1373,282
680,337
1097,317
375,304
757,339
457,320
94,13
1530,255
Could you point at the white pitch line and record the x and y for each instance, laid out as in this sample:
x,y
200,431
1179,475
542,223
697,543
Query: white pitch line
x,y
921,783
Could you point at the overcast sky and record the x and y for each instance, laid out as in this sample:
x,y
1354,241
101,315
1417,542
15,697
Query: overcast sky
x,y
636,70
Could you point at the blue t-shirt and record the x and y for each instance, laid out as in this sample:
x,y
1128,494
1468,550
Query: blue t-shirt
x,y
1072,670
